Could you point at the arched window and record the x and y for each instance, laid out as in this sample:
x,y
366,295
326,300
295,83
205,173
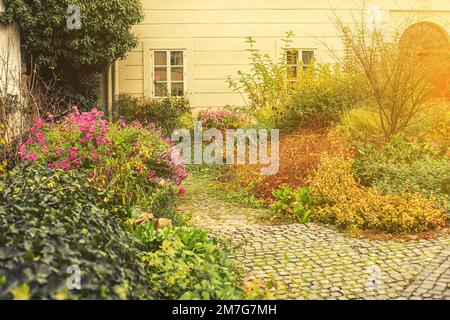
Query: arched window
x,y
426,36
432,43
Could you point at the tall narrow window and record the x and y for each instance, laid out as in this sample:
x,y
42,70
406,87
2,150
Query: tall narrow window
x,y
169,73
307,58
292,57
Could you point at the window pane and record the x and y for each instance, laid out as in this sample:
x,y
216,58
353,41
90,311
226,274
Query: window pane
x,y
307,56
176,58
177,74
292,57
177,89
292,72
161,74
160,58
160,89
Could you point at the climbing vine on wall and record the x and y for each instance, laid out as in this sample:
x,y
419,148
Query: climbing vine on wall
x,y
75,55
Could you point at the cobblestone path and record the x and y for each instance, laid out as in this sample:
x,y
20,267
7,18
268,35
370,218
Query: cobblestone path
x,y
317,262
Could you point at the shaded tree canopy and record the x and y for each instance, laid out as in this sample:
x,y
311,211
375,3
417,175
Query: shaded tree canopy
x,y
77,55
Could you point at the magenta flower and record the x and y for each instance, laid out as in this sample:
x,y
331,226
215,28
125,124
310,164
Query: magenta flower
x,y
73,153
31,157
39,122
150,175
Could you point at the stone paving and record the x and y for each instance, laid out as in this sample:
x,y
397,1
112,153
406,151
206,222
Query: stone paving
x,y
317,262
433,282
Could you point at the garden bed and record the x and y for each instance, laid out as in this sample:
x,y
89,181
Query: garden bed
x,y
89,213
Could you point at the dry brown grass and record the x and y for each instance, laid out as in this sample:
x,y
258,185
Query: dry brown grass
x,y
300,153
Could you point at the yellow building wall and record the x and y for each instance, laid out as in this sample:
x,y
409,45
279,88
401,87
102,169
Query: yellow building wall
x,y
10,59
213,32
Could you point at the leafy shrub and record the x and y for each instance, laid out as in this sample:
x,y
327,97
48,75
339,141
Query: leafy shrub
x,y
340,200
186,121
404,166
221,119
184,264
277,98
75,56
130,162
48,222
297,204
167,114
141,164
361,126
394,73
266,86
322,94
431,127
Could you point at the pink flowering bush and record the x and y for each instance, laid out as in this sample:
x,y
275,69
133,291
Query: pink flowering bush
x,y
130,162
75,142
221,119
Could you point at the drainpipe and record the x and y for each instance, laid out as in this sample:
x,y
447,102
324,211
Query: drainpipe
x,y
115,86
109,95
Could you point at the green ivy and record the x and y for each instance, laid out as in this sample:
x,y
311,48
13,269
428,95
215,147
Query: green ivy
x,y
48,222
76,56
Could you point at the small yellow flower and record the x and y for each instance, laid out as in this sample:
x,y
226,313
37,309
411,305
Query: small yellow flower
x,y
166,245
164,223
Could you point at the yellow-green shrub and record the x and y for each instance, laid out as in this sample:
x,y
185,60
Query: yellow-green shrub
x,y
322,94
433,126
361,126
340,200
165,113
430,126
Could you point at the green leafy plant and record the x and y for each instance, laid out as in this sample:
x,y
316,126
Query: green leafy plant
x,y
340,200
75,56
297,204
267,85
166,114
361,126
51,220
401,166
277,98
184,264
321,94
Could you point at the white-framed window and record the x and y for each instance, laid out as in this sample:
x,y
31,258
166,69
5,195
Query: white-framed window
x,y
169,73
298,58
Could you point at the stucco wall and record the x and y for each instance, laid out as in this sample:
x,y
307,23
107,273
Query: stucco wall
x,y
213,33
10,60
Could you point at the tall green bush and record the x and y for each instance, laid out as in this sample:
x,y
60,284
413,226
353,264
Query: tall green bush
x,y
76,56
322,94
277,98
167,114
266,85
